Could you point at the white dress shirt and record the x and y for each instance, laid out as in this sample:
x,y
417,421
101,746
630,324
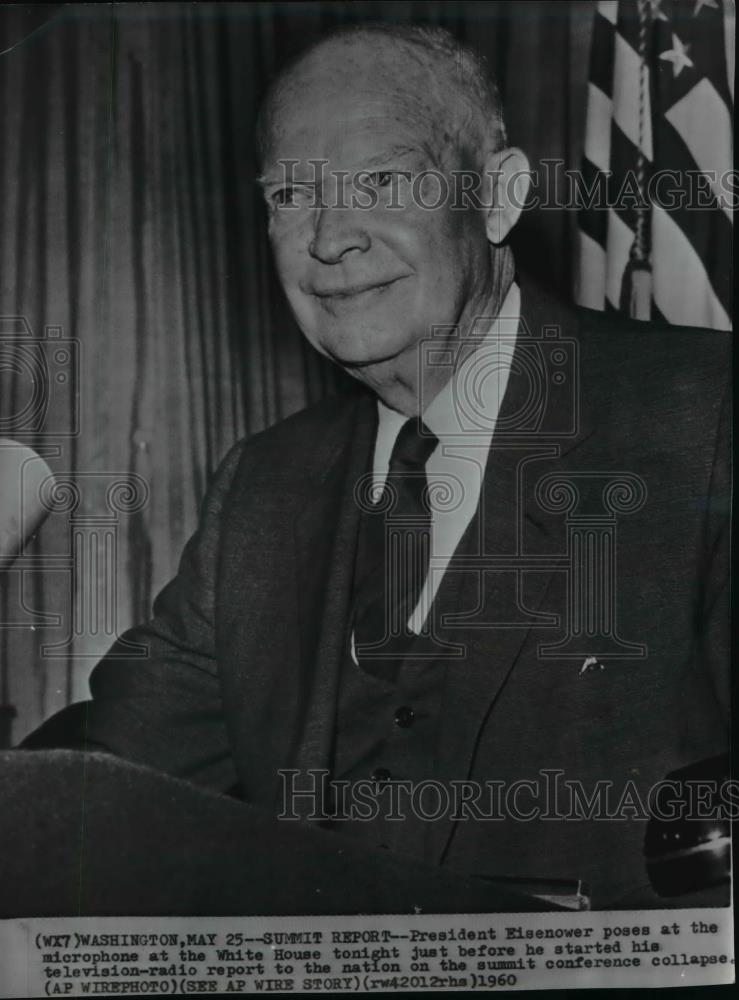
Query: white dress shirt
x,y
463,417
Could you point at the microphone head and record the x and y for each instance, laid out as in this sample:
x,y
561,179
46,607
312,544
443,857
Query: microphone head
x,y
690,851
22,512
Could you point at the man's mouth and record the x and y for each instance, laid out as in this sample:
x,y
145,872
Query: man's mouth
x,y
352,292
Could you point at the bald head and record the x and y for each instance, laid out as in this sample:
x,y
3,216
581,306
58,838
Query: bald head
x,y
433,82
362,140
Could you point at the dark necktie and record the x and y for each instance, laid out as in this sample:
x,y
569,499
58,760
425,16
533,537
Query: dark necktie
x,y
394,553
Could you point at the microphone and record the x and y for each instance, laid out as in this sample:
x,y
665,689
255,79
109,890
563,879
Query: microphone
x,y
22,473
692,851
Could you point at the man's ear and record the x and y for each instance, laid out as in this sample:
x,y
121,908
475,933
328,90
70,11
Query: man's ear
x,y
508,180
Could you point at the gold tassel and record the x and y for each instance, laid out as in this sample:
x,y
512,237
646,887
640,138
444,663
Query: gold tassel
x,y
636,290
640,301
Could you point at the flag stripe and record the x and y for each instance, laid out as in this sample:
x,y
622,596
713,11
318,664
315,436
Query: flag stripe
x,y
729,43
601,62
594,220
592,272
682,290
708,229
657,314
608,9
598,129
620,238
703,122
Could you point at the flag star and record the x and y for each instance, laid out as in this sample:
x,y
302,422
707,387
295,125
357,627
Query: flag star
x,y
700,4
677,55
657,13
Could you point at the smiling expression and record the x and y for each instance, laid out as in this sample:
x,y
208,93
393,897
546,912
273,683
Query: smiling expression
x,y
368,270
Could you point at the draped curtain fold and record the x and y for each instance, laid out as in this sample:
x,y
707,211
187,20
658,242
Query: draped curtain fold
x,y
131,231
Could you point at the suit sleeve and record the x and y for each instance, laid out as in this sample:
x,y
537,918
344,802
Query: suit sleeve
x,y
163,708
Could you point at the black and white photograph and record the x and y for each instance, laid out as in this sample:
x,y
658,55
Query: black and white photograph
x,y
365,496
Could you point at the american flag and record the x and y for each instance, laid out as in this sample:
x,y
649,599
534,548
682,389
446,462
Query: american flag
x,y
659,141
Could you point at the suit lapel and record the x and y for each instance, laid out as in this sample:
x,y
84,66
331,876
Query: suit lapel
x,y
495,617
287,554
325,541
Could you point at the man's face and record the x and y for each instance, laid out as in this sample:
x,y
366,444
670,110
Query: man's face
x,y
366,284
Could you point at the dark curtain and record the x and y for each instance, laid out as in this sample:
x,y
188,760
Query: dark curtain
x,y
132,234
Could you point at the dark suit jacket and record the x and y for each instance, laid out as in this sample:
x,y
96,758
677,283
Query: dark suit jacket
x,y
246,642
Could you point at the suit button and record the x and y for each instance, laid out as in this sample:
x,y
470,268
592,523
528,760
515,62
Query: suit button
x,y
381,774
404,717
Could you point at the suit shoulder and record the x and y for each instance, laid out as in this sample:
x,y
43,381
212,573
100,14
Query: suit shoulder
x,y
296,439
302,428
593,322
616,344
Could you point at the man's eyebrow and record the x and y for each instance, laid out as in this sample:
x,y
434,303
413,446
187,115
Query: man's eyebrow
x,y
388,155
379,160
266,181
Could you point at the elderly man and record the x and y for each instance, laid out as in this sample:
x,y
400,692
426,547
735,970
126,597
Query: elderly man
x,y
487,589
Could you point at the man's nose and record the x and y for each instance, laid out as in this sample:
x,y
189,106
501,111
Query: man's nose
x,y
338,232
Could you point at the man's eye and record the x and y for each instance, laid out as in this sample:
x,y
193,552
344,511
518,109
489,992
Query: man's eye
x,y
283,198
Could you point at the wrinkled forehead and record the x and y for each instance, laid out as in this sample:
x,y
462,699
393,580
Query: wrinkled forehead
x,y
345,101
